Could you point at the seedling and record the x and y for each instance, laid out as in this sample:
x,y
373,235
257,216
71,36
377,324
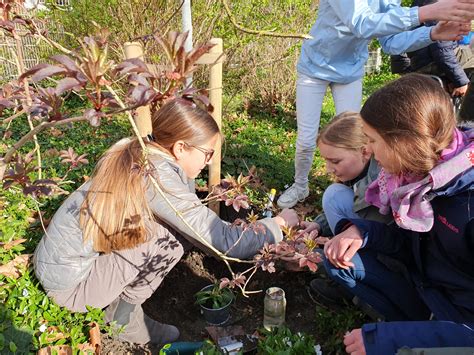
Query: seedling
x,y
215,297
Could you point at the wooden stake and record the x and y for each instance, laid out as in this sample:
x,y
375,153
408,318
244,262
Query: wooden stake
x,y
215,96
143,113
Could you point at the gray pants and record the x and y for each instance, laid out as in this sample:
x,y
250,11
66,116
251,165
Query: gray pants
x,y
310,94
131,274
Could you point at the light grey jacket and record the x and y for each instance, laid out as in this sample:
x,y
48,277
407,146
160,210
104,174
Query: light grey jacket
x,y
62,259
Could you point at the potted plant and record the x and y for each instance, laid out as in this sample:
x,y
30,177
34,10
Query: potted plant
x,y
215,303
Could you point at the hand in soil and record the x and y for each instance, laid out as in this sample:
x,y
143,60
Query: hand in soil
x,y
354,342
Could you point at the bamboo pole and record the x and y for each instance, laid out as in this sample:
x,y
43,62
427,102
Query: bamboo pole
x,y
143,113
215,97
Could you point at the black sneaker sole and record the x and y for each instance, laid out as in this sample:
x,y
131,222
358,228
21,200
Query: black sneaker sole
x,y
320,299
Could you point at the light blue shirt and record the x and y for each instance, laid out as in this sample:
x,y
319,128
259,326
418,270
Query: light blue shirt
x,y
343,29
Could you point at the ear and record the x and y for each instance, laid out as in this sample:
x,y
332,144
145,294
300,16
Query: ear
x,y
366,154
178,149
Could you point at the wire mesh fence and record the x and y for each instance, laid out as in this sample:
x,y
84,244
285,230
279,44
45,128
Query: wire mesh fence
x,y
33,49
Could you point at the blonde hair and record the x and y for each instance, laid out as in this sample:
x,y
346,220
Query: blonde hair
x,y
115,211
344,131
415,118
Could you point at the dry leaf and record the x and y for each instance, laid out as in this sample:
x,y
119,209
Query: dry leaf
x,y
9,245
52,152
94,337
12,268
304,209
56,132
56,349
54,334
93,345
86,347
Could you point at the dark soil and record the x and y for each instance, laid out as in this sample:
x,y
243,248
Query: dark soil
x,y
173,302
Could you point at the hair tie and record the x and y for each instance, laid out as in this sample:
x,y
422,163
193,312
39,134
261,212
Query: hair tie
x,y
188,100
150,137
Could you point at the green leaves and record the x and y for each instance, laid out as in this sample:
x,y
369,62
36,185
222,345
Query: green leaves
x,y
281,341
12,346
29,310
214,297
30,320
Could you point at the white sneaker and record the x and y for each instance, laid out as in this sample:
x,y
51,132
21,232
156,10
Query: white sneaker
x,y
291,196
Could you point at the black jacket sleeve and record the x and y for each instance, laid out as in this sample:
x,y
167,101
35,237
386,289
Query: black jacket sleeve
x,y
444,55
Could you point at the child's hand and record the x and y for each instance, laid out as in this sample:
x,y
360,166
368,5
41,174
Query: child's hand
x,y
340,249
449,30
311,228
287,218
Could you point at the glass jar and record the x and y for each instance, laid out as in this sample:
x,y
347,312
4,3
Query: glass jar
x,y
274,308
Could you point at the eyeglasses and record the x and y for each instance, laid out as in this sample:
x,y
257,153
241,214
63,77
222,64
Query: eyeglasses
x,y
208,153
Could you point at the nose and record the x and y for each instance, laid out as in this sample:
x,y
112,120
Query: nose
x,y
330,168
369,149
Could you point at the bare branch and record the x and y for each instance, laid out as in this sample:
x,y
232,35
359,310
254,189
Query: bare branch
x,y
12,117
27,137
21,68
261,32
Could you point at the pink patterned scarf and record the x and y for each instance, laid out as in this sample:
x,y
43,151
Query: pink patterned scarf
x,y
406,196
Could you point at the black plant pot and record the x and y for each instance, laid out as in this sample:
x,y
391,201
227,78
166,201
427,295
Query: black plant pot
x,y
229,214
216,316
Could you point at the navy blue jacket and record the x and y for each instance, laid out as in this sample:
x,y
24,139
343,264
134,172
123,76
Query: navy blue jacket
x,y
442,53
441,265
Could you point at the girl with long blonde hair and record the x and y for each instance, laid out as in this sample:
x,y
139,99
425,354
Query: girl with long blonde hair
x,y
112,242
343,145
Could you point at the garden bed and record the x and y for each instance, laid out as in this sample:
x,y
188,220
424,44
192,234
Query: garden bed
x,y
174,303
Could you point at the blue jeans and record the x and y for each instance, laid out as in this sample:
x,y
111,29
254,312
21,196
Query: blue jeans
x,y
338,203
388,292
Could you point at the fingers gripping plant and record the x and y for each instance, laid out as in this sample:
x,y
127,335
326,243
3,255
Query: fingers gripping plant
x,y
112,89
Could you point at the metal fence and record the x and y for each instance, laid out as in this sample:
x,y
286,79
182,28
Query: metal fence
x,y
34,50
